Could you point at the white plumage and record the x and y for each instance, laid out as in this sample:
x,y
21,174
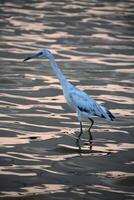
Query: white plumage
x,y
85,106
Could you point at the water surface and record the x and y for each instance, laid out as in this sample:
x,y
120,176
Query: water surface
x,y
93,43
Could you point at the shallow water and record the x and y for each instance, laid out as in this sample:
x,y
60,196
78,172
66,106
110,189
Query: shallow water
x,y
93,44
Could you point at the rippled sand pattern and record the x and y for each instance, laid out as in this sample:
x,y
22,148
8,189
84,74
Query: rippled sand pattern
x,y
93,42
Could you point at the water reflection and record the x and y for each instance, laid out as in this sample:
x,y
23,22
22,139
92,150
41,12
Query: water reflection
x,y
92,42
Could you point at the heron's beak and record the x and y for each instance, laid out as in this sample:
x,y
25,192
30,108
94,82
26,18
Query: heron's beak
x,y
33,56
26,59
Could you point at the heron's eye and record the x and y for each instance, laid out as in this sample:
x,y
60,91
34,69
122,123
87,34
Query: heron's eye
x,y
40,53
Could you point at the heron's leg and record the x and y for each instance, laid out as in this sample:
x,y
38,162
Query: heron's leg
x,y
81,132
89,130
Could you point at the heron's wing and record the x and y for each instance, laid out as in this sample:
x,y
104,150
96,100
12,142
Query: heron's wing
x,y
86,104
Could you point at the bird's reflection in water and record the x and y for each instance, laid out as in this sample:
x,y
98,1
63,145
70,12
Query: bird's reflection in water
x,y
90,145
89,150
70,144
86,148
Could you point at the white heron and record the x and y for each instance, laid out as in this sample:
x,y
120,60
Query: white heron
x,y
85,106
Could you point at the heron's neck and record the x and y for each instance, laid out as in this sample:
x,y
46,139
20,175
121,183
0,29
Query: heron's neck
x,y
56,70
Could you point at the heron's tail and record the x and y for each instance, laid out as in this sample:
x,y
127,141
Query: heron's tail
x,y
111,116
107,114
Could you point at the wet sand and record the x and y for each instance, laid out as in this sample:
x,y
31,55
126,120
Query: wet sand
x,y
93,44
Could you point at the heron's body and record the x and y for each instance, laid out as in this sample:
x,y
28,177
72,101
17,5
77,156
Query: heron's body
x,y
85,106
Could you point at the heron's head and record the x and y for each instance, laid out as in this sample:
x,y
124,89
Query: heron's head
x,y
45,53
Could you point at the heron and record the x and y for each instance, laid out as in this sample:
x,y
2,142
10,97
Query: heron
x,y
84,105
